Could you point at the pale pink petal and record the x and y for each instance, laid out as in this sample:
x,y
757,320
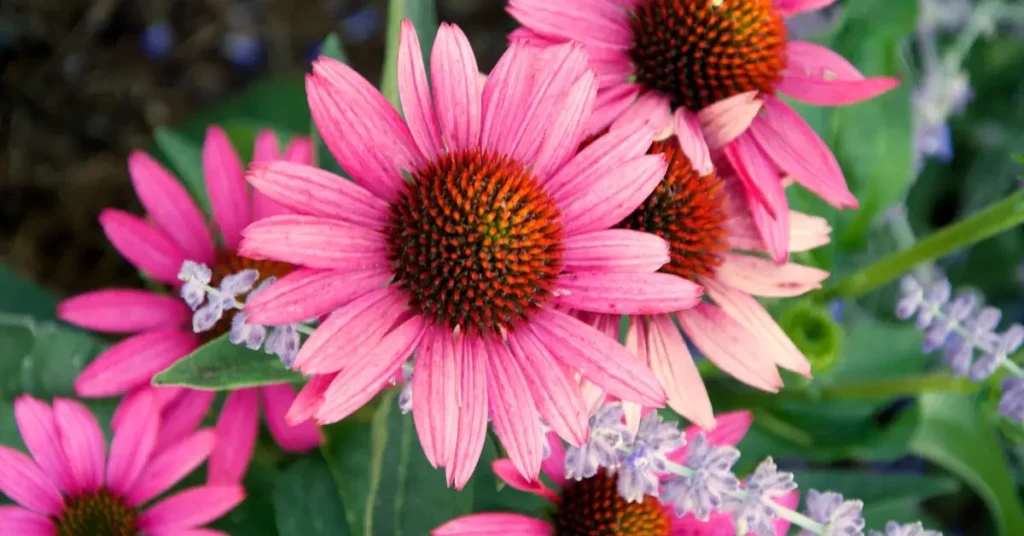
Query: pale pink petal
x,y
134,441
556,395
597,23
172,464
183,416
494,524
729,346
414,93
24,482
507,472
83,444
39,433
795,148
363,131
807,232
626,293
237,427
191,508
435,386
726,119
793,7
670,359
651,108
308,293
729,429
514,416
471,413
817,75
18,521
609,105
169,205
356,385
766,199
691,141
133,362
762,277
309,399
613,195
606,155
453,73
149,249
313,242
554,465
316,192
225,185
123,310
615,250
300,438
750,314
599,358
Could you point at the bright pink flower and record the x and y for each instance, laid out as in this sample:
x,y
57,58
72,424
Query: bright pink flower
x,y
705,217
72,486
500,220
578,515
725,60
174,231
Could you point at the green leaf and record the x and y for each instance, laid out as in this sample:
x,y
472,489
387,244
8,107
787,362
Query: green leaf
x,y
19,295
277,103
386,483
306,502
423,14
186,157
42,358
219,366
256,515
954,435
333,48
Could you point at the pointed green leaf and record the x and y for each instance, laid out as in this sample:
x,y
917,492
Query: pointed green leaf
x,y
306,502
219,366
42,358
186,158
423,14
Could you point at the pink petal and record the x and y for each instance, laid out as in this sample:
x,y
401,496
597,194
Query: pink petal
x,y
309,399
133,362
766,199
299,438
600,24
726,119
414,93
169,205
719,523
807,232
729,428
83,444
24,482
507,472
471,413
123,310
729,346
762,277
494,524
299,151
746,311
435,386
171,465
670,359
40,434
817,75
613,195
363,131
789,8
599,358
794,146
188,532
265,148
789,500
229,197
626,293
237,426
554,465
514,417
313,242
191,508
453,74
307,293
615,250
355,386
146,247
651,108
557,396
183,416
567,127
691,141
606,155
316,192
134,441
19,521
611,103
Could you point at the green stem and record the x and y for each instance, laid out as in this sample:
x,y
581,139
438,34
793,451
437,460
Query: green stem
x,y
993,220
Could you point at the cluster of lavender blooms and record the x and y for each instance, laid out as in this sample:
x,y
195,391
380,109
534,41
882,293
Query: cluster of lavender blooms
x,y
704,482
966,332
209,304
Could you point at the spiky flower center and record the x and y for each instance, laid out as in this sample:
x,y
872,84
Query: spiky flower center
x,y
97,514
475,241
699,52
593,507
228,263
688,210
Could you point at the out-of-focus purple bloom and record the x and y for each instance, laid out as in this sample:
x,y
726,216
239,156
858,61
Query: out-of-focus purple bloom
x,y
158,39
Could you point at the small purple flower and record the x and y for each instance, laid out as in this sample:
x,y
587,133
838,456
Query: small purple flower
x,y
707,488
840,517
765,484
196,277
893,528
1011,403
608,434
284,343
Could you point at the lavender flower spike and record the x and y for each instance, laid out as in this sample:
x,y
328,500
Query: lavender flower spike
x,y
196,276
765,484
638,474
707,489
838,516
893,528
607,434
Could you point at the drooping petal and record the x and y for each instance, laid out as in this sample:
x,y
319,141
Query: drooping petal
x,y
225,184
414,92
453,73
471,413
626,293
39,433
767,202
615,250
691,141
170,206
556,395
788,8
83,444
671,361
514,416
181,417
494,524
133,362
191,508
435,384
613,195
134,441
237,427
172,464
313,242
507,472
149,249
24,482
816,75
123,310
309,293
726,119
763,277
22,522
729,346
299,438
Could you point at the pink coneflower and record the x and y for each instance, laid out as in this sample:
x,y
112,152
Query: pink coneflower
x,y
725,59
464,263
704,217
176,231
71,486
593,505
